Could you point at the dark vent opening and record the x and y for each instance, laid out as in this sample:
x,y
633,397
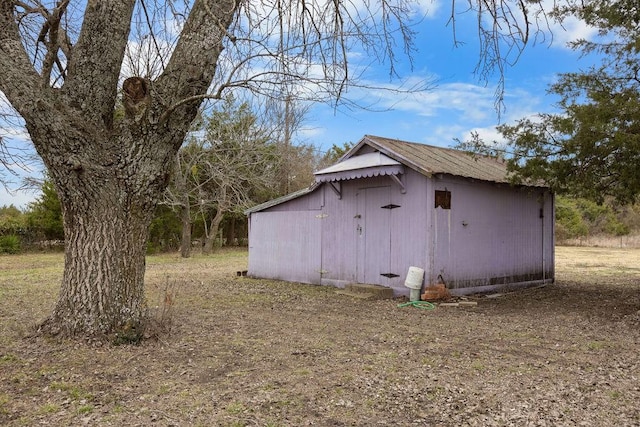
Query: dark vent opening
x,y
443,199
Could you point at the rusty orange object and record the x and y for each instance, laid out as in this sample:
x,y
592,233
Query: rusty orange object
x,y
435,293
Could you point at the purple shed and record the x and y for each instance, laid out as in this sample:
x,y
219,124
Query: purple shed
x,y
388,205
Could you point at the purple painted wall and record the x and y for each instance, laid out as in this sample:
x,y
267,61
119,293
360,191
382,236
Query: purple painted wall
x,y
492,235
285,246
362,240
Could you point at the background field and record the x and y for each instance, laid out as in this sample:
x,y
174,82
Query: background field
x,y
245,352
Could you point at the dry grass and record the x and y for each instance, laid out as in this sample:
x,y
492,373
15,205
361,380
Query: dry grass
x,y
246,352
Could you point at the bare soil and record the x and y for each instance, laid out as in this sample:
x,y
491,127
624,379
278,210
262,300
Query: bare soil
x,y
246,352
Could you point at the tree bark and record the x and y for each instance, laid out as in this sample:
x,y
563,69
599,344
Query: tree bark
x,y
103,283
214,226
181,198
231,232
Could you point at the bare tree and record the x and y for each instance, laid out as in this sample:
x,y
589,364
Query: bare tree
x,y
179,194
15,160
239,162
228,163
286,116
109,171
11,159
109,168
505,27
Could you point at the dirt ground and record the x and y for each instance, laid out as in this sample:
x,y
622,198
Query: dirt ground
x,y
245,352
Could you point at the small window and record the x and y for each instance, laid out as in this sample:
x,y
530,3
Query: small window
x,y
443,199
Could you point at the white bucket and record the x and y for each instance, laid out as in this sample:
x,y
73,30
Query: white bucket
x,y
414,278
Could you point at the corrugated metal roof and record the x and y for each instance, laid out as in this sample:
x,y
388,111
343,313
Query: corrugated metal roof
x,y
429,160
281,199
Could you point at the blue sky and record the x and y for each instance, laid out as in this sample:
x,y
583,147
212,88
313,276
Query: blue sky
x,y
458,103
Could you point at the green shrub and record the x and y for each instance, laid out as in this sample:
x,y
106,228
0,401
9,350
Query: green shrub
x,y
9,244
581,217
569,222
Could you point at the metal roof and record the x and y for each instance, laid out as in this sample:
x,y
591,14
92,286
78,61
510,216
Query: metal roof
x,y
358,162
282,199
430,160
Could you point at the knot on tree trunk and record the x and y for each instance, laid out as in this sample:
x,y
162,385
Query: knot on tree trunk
x,y
136,97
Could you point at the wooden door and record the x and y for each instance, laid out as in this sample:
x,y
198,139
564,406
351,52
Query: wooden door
x,y
373,234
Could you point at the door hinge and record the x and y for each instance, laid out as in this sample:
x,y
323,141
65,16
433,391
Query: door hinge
x,y
323,271
390,275
390,206
322,216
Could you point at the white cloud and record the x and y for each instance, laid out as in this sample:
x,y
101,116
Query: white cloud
x,y
309,133
443,135
571,29
467,100
560,33
488,134
427,8
145,57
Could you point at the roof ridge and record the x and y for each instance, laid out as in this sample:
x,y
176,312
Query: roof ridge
x,y
437,147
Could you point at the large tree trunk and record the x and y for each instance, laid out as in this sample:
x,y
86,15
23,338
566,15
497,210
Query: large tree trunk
x,y
103,284
107,207
108,191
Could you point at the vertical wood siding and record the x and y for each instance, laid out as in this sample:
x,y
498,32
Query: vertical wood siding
x,y
374,235
285,246
492,235
361,240
339,236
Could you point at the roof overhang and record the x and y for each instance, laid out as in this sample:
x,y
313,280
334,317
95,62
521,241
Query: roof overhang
x,y
363,166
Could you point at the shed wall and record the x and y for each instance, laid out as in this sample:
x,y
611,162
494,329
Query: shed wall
x,y
491,236
285,245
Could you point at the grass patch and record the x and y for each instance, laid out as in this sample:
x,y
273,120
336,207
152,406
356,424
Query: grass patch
x,y
4,403
8,358
73,391
49,408
84,409
235,408
478,366
596,345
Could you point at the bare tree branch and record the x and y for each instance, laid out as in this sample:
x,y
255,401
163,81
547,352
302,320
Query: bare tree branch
x,y
17,76
105,31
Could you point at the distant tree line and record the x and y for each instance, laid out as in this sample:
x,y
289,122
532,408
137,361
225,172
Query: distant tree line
x,y
39,226
579,218
235,159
